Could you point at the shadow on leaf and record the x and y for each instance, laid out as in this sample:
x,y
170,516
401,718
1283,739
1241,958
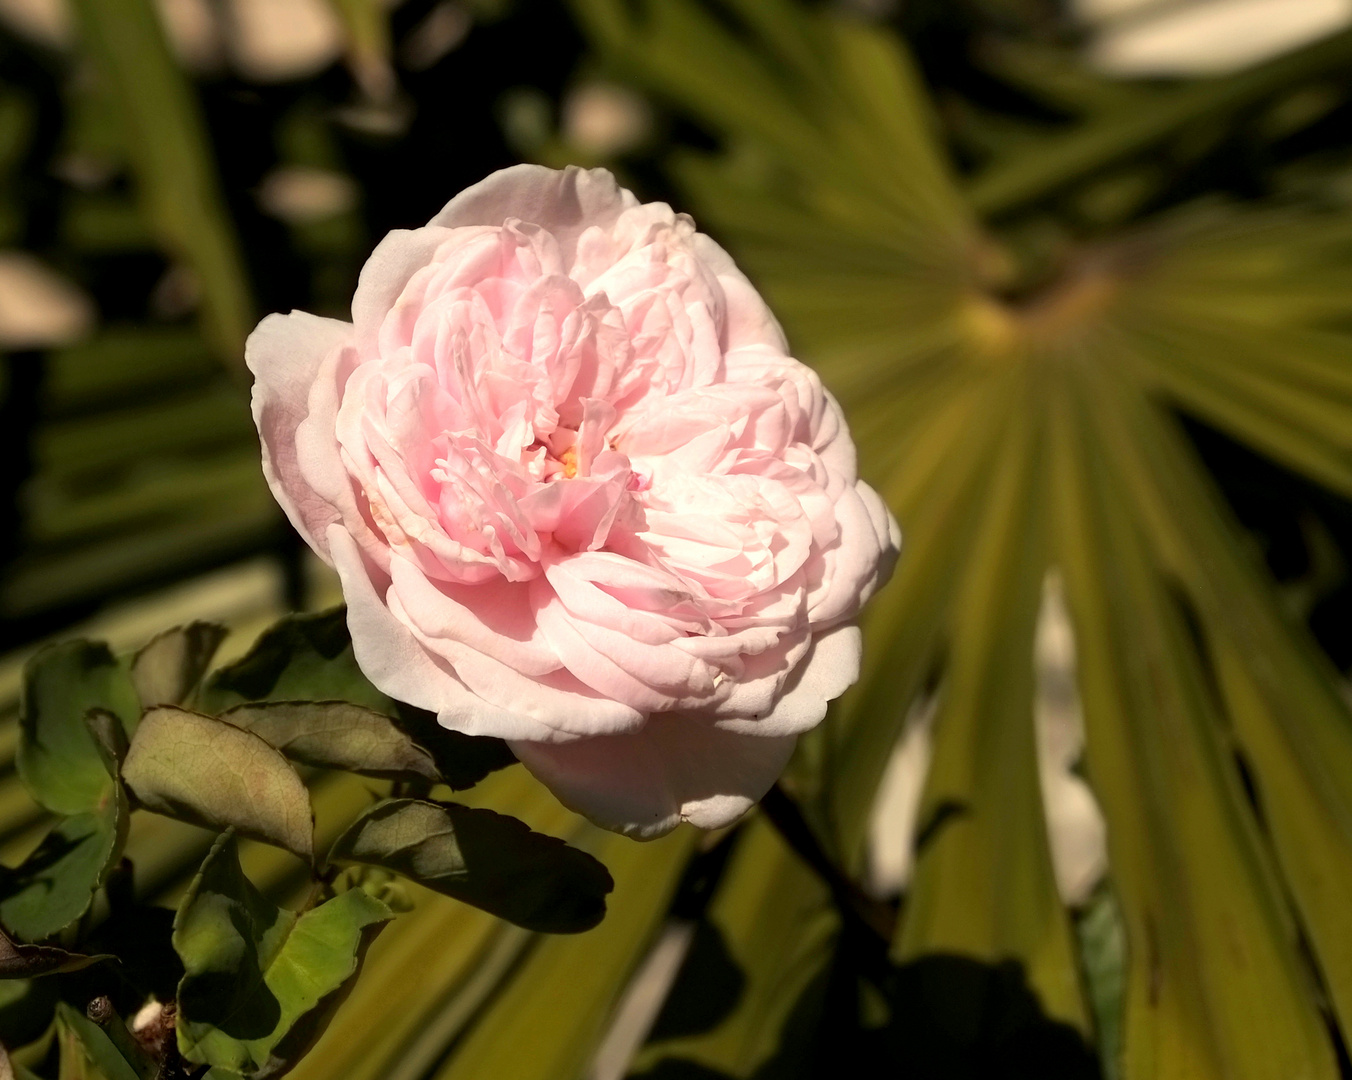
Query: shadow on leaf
x,y
951,1018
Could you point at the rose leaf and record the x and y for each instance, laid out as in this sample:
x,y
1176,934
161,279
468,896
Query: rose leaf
x,y
87,1053
56,883
309,658
26,1009
482,858
461,760
300,658
336,735
110,736
19,961
169,667
58,758
259,981
202,770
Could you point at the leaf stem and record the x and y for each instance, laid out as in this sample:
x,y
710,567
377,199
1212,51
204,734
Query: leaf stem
x,y
875,918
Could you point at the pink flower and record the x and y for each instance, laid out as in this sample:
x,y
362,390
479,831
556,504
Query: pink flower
x,y
579,495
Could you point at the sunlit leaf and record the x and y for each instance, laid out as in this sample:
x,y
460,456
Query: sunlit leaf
x,y
334,734
303,657
1186,866
755,978
168,668
259,980
983,885
1218,739
595,966
211,773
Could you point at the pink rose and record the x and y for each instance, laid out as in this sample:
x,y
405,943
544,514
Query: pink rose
x,y
579,495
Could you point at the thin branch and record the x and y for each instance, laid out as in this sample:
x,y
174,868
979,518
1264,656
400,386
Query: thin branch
x,y
874,918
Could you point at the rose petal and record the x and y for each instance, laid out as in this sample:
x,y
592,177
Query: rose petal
x,y
888,531
673,769
285,354
565,202
395,260
849,564
397,664
749,319
830,667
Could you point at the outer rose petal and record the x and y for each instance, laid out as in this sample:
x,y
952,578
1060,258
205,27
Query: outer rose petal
x,y
829,669
396,258
673,769
285,354
750,320
852,562
392,658
888,531
566,202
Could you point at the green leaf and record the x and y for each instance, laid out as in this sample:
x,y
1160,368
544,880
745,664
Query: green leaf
x,y
461,760
308,658
1214,981
110,736
778,931
205,771
168,668
260,981
949,454
336,735
596,966
19,961
489,860
1289,717
984,886
55,885
58,758
301,658
87,1053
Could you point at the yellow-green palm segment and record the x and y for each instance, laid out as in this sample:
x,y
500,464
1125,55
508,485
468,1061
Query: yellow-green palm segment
x,y
1016,437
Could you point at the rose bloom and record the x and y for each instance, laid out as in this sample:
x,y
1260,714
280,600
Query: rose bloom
x,y
579,495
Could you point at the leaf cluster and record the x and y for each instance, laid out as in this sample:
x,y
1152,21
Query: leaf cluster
x,y
251,984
